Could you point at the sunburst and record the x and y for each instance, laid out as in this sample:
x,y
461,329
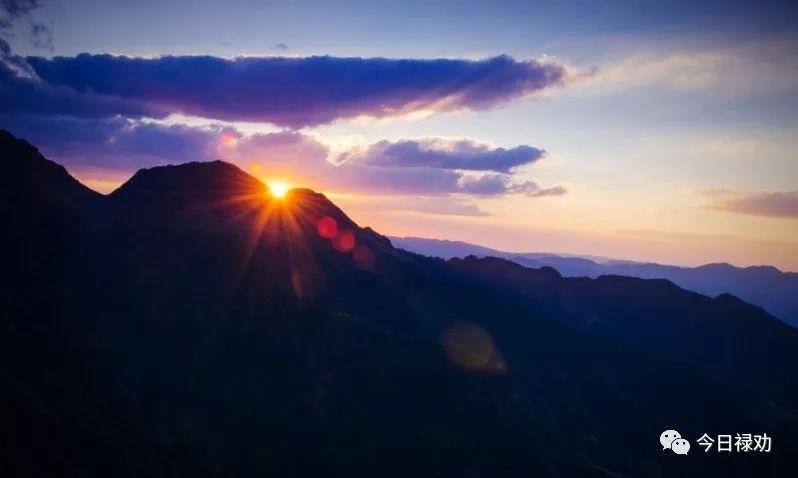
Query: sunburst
x,y
279,188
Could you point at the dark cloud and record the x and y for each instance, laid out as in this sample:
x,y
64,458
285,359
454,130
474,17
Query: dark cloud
x,y
12,11
463,155
42,36
116,143
17,65
298,92
121,143
767,204
281,47
21,92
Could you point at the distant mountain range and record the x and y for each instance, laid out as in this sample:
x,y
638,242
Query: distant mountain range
x,y
189,324
765,286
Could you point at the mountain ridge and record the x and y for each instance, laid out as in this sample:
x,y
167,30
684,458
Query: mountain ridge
x,y
763,285
596,259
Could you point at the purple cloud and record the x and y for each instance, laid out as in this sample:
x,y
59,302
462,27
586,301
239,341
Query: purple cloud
x,y
12,11
298,92
463,155
498,184
22,93
124,144
767,204
114,143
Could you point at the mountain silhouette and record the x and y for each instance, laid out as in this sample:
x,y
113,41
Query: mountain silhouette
x,y
765,286
190,324
734,342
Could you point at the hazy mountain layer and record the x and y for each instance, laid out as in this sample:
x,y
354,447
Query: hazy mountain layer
x,y
765,286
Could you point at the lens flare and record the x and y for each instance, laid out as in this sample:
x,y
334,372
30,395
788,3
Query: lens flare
x,y
327,227
470,348
345,241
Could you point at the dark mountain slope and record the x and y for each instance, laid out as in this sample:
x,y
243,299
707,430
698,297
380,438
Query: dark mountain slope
x,y
211,330
765,286
737,343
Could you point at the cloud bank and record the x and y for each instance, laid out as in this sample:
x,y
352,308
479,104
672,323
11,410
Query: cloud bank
x,y
442,154
293,92
22,94
113,113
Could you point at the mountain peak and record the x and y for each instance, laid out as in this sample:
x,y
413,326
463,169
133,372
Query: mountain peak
x,y
216,180
28,174
211,196
218,195
210,177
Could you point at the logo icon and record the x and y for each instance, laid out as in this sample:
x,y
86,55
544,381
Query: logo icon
x,y
672,440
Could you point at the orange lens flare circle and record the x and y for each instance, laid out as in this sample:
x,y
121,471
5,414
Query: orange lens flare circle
x,y
327,227
345,241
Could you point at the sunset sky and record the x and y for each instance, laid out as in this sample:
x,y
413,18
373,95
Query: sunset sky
x,y
656,131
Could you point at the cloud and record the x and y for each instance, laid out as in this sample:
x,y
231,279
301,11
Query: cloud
x,y
732,70
13,11
464,155
22,93
439,206
299,92
42,36
281,47
499,184
531,189
296,155
114,143
121,143
766,204
680,70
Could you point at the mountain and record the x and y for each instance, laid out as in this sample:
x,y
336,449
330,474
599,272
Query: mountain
x,y
765,286
664,318
189,324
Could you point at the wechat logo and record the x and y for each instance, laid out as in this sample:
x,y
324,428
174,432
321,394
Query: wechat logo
x,y
671,440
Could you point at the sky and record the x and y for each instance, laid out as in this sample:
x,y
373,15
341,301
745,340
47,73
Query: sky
x,y
639,130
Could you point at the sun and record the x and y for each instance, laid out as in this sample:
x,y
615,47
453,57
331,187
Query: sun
x,y
279,188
